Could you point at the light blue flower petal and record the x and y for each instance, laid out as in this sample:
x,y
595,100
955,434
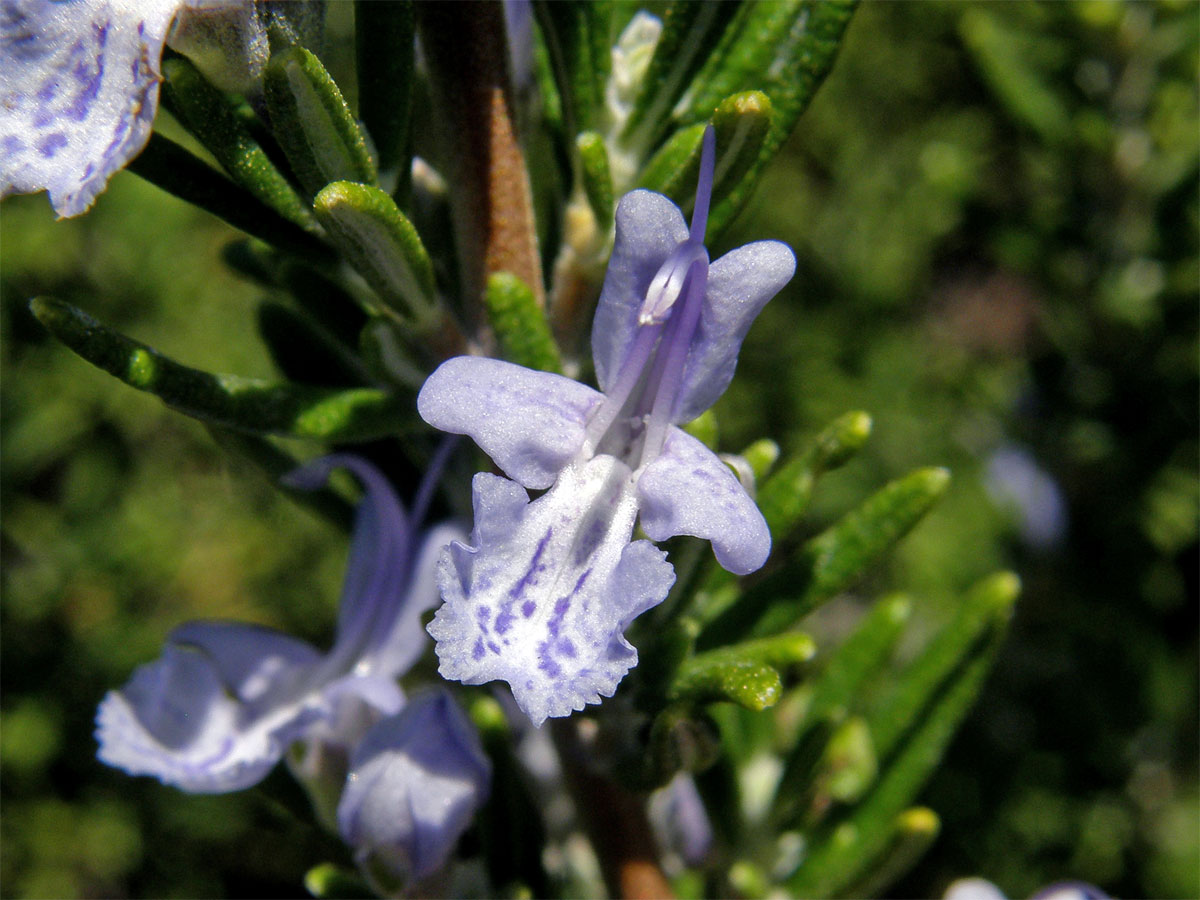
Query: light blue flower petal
x,y
530,423
739,285
215,712
407,640
79,83
688,490
79,86
378,622
649,228
415,782
543,598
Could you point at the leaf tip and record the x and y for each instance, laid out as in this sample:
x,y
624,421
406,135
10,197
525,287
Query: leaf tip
x,y
919,821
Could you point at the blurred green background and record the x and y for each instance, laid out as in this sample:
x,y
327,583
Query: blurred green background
x,y
994,207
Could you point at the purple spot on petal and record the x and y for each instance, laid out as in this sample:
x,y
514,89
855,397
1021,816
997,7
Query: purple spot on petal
x,y
494,647
478,651
51,144
504,620
527,608
13,145
561,605
579,583
517,589
567,648
89,73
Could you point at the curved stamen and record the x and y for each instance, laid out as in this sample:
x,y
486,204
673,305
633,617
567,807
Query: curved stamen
x,y
704,185
667,375
667,284
654,364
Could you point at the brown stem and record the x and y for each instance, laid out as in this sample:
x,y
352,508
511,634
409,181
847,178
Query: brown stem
x,y
615,821
491,203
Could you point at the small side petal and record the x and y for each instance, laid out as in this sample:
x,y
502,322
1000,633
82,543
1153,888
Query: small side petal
x,y
739,285
415,782
688,490
649,228
376,608
407,639
543,598
207,721
530,423
80,87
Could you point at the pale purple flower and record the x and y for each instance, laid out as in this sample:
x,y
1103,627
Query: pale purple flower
x,y
981,889
79,83
680,820
1018,483
415,782
542,595
226,701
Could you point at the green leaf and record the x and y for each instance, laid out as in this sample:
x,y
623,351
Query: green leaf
x,y
797,784
850,762
169,166
324,300
745,120
859,657
833,692
852,847
746,674
742,125
761,456
510,825
577,37
784,497
331,882
675,166
831,561
214,119
681,739
390,356
914,831
303,352
384,43
313,124
691,28
243,404
597,177
985,605
1005,59
274,464
382,244
520,324
783,48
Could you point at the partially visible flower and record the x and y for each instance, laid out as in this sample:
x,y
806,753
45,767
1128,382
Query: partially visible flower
x,y
680,820
1018,483
981,889
226,701
415,781
79,81
543,594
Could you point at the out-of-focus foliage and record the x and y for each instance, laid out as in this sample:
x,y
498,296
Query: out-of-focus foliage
x,y
994,207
